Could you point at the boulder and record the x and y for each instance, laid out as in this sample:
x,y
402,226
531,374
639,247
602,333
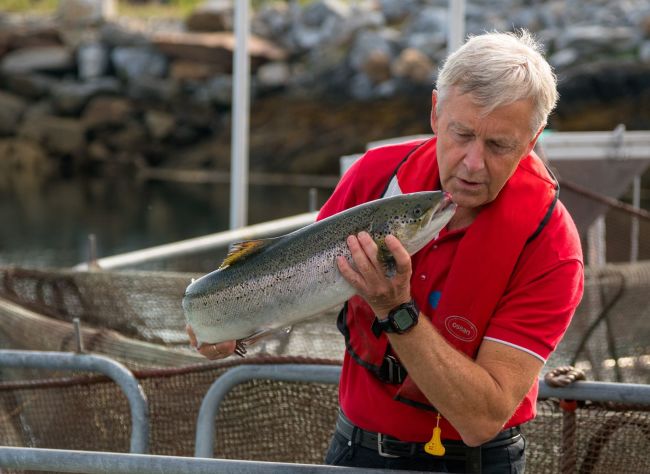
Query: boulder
x,y
11,111
107,111
132,62
64,136
215,48
213,15
40,58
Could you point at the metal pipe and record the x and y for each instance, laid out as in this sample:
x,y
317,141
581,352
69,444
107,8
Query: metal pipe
x,y
206,242
94,462
598,392
456,33
239,149
116,371
634,231
205,425
313,199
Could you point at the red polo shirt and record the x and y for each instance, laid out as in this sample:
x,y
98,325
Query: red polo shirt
x,y
532,315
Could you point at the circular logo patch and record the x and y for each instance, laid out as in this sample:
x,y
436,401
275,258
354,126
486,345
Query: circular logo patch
x,y
462,328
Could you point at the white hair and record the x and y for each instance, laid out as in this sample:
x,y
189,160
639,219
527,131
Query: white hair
x,y
498,69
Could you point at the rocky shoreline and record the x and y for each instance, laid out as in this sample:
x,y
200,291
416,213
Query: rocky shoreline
x,y
83,90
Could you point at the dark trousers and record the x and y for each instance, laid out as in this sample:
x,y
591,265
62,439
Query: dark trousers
x,y
499,460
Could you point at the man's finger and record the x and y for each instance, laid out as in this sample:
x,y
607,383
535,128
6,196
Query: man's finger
x,y
359,256
191,335
400,254
351,276
370,249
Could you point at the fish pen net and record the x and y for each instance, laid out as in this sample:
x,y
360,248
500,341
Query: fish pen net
x,y
89,412
276,421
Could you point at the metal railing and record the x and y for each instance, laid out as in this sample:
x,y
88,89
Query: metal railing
x,y
94,462
205,431
598,392
205,425
101,462
93,363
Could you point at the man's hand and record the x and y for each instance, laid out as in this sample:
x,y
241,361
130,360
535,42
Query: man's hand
x,y
369,278
211,351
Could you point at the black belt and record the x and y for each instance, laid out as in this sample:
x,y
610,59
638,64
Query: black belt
x,y
387,446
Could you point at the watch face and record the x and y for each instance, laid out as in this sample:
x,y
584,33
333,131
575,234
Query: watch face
x,y
403,319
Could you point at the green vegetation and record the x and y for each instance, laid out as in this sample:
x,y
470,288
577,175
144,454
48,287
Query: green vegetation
x,y
138,9
131,8
29,6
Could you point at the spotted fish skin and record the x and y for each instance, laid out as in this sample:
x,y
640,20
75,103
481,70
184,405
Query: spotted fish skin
x,y
274,283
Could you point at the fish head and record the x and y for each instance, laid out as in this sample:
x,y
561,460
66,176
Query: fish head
x,y
414,218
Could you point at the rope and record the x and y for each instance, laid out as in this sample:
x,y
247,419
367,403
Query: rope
x,y
561,377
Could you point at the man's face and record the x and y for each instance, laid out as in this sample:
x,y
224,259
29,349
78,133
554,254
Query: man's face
x,y
478,153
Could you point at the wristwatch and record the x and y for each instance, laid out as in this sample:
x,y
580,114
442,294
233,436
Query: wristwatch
x,y
399,320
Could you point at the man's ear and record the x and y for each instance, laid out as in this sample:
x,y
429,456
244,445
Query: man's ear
x,y
434,113
533,142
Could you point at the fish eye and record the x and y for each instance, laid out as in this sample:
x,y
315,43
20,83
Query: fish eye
x,y
417,212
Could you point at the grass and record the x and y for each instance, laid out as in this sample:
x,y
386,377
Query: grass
x,y
29,6
136,8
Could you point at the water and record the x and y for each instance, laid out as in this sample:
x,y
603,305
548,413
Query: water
x,y
48,224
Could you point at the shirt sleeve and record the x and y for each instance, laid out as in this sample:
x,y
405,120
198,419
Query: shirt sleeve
x,y
534,317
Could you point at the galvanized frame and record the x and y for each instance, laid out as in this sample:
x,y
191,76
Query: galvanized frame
x,y
95,363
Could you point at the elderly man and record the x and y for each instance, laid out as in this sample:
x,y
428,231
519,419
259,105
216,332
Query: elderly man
x,y
448,350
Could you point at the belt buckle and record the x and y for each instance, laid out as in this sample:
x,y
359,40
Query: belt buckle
x,y
380,447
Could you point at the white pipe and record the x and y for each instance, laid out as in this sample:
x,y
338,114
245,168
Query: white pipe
x,y
456,32
239,140
207,242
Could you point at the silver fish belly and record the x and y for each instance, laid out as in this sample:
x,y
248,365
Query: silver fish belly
x,y
274,283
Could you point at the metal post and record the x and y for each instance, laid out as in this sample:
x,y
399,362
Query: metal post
x,y
597,241
239,140
78,339
634,231
313,199
456,32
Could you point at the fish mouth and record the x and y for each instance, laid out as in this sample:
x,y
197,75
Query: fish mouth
x,y
445,206
441,213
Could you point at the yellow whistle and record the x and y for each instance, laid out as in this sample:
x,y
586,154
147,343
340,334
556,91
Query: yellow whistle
x,y
434,446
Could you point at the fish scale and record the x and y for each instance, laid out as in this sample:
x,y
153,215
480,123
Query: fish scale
x,y
274,283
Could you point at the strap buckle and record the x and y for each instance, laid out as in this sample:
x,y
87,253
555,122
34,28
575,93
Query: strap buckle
x,y
380,447
392,371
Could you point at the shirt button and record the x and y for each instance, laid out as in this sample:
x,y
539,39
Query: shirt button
x,y
423,276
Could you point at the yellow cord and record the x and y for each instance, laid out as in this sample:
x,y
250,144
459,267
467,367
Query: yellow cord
x,y
434,446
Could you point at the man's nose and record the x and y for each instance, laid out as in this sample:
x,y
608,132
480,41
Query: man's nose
x,y
474,157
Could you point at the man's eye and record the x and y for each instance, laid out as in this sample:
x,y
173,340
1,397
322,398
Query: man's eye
x,y
499,147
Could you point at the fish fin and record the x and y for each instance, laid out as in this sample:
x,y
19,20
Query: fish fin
x,y
240,348
242,344
240,251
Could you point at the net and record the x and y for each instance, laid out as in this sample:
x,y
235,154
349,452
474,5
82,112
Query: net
x,y
135,317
